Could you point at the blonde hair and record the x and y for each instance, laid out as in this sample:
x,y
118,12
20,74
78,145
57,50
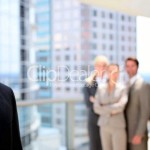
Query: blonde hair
x,y
101,58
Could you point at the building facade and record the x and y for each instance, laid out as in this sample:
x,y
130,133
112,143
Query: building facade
x,y
44,56
14,51
80,33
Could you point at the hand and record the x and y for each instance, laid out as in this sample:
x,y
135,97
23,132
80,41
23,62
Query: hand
x,y
137,139
92,99
114,113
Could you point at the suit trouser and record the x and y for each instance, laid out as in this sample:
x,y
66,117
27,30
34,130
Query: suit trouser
x,y
142,146
93,130
113,138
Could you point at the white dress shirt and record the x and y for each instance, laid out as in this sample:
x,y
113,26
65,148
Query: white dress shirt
x,y
133,79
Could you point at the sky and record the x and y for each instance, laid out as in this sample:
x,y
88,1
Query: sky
x,y
143,44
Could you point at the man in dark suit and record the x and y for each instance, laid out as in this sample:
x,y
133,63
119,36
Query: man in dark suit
x,y
91,84
9,127
137,111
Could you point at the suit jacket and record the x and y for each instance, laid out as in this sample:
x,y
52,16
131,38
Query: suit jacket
x,y
9,128
90,90
138,109
106,104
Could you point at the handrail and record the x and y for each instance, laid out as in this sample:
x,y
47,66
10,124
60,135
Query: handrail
x,y
25,103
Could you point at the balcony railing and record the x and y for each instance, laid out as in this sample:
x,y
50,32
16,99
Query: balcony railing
x,y
72,130
75,125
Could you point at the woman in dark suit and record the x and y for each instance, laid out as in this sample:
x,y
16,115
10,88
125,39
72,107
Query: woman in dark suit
x,y
9,127
91,84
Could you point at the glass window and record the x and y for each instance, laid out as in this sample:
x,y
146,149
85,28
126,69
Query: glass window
x,y
110,15
94,24
122,17
94,13
103,14
94,46
94,35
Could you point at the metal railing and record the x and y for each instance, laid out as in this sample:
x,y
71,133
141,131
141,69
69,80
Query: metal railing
x,y
70,114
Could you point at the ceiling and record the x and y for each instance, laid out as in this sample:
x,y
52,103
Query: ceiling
x,y
131,7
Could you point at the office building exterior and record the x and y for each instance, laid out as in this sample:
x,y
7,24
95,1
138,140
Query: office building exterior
x,y
80,33
14,51
44,56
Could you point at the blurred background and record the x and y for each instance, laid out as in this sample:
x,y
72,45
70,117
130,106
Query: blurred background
x,y
44,44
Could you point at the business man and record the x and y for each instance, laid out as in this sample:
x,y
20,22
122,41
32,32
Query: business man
x,y
138,108
91,84
9,128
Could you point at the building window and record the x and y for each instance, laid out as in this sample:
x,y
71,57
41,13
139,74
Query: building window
x,y
123,38
67,89
104,36
103,14
67,57
23,55
94,46
111,47
129,18
103,25
75,89
104,47
122,48
94,24
123,58
111,37
58,58
43,58
58,121
122,17
122,28
58,89
111,58
129,29
130,48
110,26
129,39
67,48
94,13
111,16
22,11
94,35
23,28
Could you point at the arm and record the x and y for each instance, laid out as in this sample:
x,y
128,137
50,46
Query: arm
x,y
120,105
16,140
111,108
98,108
87,96
144,110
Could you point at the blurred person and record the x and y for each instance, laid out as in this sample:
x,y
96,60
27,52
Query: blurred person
x,y
91,84
9,127
138,108
109,104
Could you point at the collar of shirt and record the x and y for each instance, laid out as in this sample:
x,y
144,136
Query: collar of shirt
x,y
101,81
133,79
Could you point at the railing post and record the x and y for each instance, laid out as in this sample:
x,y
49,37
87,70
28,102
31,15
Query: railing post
x,y
70,125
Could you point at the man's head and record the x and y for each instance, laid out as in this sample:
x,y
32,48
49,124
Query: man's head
x,y
100,65
131,65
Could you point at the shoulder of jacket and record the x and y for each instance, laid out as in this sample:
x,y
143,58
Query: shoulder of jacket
x,y
89,80
5,88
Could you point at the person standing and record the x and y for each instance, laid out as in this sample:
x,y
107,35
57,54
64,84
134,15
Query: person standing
x,y
91,84
137,111
110,101
9,127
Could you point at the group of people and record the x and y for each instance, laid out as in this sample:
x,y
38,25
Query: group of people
x,y
117,113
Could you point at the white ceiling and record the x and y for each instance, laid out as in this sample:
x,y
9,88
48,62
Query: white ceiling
x,y
131,7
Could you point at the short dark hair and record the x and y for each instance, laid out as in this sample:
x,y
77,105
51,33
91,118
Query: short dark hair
x,y
133,59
